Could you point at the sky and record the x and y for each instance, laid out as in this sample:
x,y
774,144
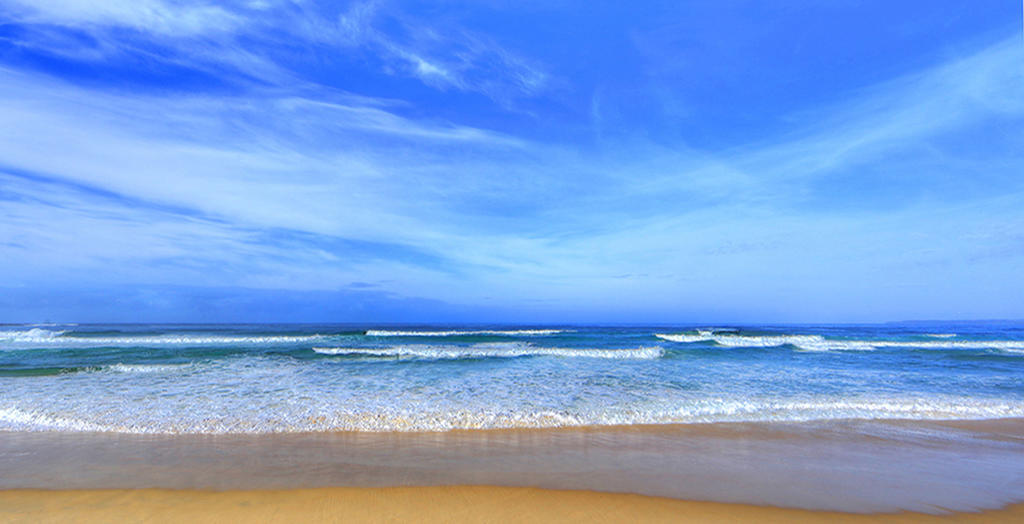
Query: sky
x,y
520,162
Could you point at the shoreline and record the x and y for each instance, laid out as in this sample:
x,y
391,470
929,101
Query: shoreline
x,y
854,466
966,423
420,504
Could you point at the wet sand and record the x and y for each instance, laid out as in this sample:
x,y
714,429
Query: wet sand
x,y
867,467
421,504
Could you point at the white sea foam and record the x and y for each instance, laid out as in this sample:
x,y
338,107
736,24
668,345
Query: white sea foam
x,y
768,341
1010,345
497,332
145,368
493,351
42,338
29,335
684,338
810,342
748,341
940,335
17,419
408,418
820,343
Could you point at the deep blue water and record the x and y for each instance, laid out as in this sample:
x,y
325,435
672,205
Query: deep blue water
x,y
272,378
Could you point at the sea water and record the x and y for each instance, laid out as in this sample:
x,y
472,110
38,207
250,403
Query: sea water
x,y
233,379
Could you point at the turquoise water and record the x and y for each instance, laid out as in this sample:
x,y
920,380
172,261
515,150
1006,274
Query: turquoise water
x,y
296,378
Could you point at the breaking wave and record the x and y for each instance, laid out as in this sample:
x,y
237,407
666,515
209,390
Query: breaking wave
x,y
43,338
820,343
496,332
29,335
494,351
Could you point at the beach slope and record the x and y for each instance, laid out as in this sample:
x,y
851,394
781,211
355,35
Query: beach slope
x,y
414,504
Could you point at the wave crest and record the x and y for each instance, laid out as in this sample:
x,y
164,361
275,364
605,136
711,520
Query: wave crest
x,y
56,340
497,332
820,343
494,351
809,342
29,335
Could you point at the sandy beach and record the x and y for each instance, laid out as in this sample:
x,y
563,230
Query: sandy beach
x,y
899,471
415,504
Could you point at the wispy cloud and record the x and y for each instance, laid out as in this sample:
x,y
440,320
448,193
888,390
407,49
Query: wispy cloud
x,y
448,57
155,17
267,40
292,183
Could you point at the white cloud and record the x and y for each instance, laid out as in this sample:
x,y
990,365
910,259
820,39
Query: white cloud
x,y
253,41
173,19
267,161
511,218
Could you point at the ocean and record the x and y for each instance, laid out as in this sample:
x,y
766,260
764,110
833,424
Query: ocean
x,y
255,379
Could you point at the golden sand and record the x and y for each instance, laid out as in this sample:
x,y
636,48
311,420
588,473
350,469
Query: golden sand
x,y
413,504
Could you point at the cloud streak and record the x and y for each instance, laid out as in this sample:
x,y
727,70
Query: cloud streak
x,y
297,184
261,41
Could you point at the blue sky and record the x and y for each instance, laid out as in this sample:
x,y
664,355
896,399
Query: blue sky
x,y
711,161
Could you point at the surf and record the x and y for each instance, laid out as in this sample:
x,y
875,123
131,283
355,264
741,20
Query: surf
x,y
493,351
